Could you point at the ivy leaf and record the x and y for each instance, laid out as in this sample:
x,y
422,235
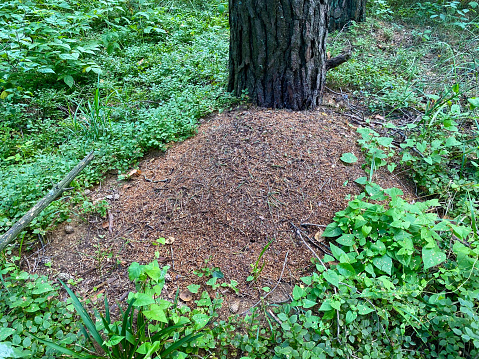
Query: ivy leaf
x,y
349,158
42,288
384,263
432,257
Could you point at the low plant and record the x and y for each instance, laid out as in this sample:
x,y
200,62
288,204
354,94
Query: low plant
x,y
30,304
256,267
146,328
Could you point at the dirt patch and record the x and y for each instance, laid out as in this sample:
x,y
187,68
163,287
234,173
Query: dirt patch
x,y
220,196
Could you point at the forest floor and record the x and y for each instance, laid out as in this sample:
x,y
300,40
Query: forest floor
x,y
249,176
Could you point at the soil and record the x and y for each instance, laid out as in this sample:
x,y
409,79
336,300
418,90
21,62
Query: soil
x,y
249,177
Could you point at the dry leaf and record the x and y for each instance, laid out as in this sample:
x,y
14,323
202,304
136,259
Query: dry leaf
x,y
318,237
105,225
134,173
169,240
379,117
186,295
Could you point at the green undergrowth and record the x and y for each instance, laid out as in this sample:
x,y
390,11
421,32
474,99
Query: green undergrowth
x,y
119,77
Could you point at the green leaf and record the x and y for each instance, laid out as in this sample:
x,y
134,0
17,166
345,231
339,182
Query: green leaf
x,y
346,240
384,263
337,252
156,312
9,351
307,303
451,141
346,270
69,81
332,230
351,316
134,271
332,277
142,299
193,288
474,101
114,340
349,158
361,180
201,320
432,257
298,292
6,332
364,309
46,70
42,288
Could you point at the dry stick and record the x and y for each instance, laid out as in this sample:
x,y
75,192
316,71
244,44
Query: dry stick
x,y
57,190
279,280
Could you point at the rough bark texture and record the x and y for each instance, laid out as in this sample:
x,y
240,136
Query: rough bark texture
x,y
341,12
278,51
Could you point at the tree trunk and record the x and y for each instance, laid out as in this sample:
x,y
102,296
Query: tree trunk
x,y
341,12
278,51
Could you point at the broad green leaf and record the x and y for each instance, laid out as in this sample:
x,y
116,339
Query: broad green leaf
x,y
346,240
69,81
384,263
474,101
307,303
432,257
385,141
364,309
337,252
114,340
201,320
361,180
156,313
346,270
42,288
46,70
351,316
451,141
332,230
332,277
6,332
349,158
193,288
298,292
134,271
142,299
326,306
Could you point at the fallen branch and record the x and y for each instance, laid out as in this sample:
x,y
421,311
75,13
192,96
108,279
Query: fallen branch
x,y
57,190
338,60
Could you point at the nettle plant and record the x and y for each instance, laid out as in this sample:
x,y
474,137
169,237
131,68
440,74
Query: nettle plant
x,y
44,40
442,149
402,282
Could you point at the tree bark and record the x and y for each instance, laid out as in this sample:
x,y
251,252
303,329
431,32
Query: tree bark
x,y
278,51
341,12
58,189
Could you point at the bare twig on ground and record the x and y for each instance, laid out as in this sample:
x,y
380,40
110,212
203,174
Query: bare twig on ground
x,y
57,190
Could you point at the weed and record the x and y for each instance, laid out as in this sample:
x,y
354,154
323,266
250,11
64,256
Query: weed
x,y
256,267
